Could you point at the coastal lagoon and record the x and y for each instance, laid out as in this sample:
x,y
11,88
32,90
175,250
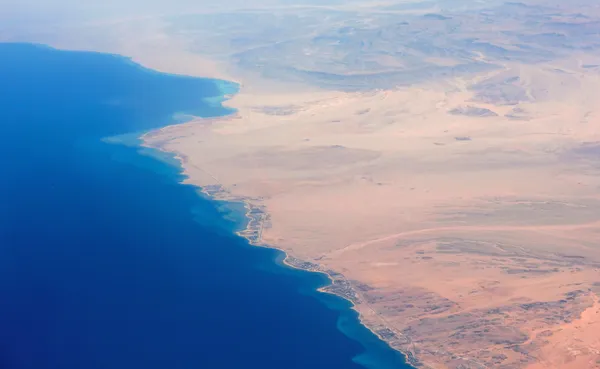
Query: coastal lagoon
x,y
108,261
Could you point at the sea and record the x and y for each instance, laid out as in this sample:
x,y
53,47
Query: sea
x,y
108,261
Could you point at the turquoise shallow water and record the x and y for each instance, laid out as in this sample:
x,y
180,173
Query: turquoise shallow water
x,y
108,261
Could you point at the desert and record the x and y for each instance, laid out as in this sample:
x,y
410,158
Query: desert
x,y
439,160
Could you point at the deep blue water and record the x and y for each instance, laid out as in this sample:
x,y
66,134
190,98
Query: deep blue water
x,y
108,262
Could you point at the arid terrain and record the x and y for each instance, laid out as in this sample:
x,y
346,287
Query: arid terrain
x,y
439,159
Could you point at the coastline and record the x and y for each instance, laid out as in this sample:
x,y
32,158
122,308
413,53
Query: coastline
x,y
257,218
459,208
143,245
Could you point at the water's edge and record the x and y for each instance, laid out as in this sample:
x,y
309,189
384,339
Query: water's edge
x,y
113,260
334,283
249,219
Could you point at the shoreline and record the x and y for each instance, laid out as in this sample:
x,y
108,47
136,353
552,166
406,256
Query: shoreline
x,y
346,291
337,285
449,201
